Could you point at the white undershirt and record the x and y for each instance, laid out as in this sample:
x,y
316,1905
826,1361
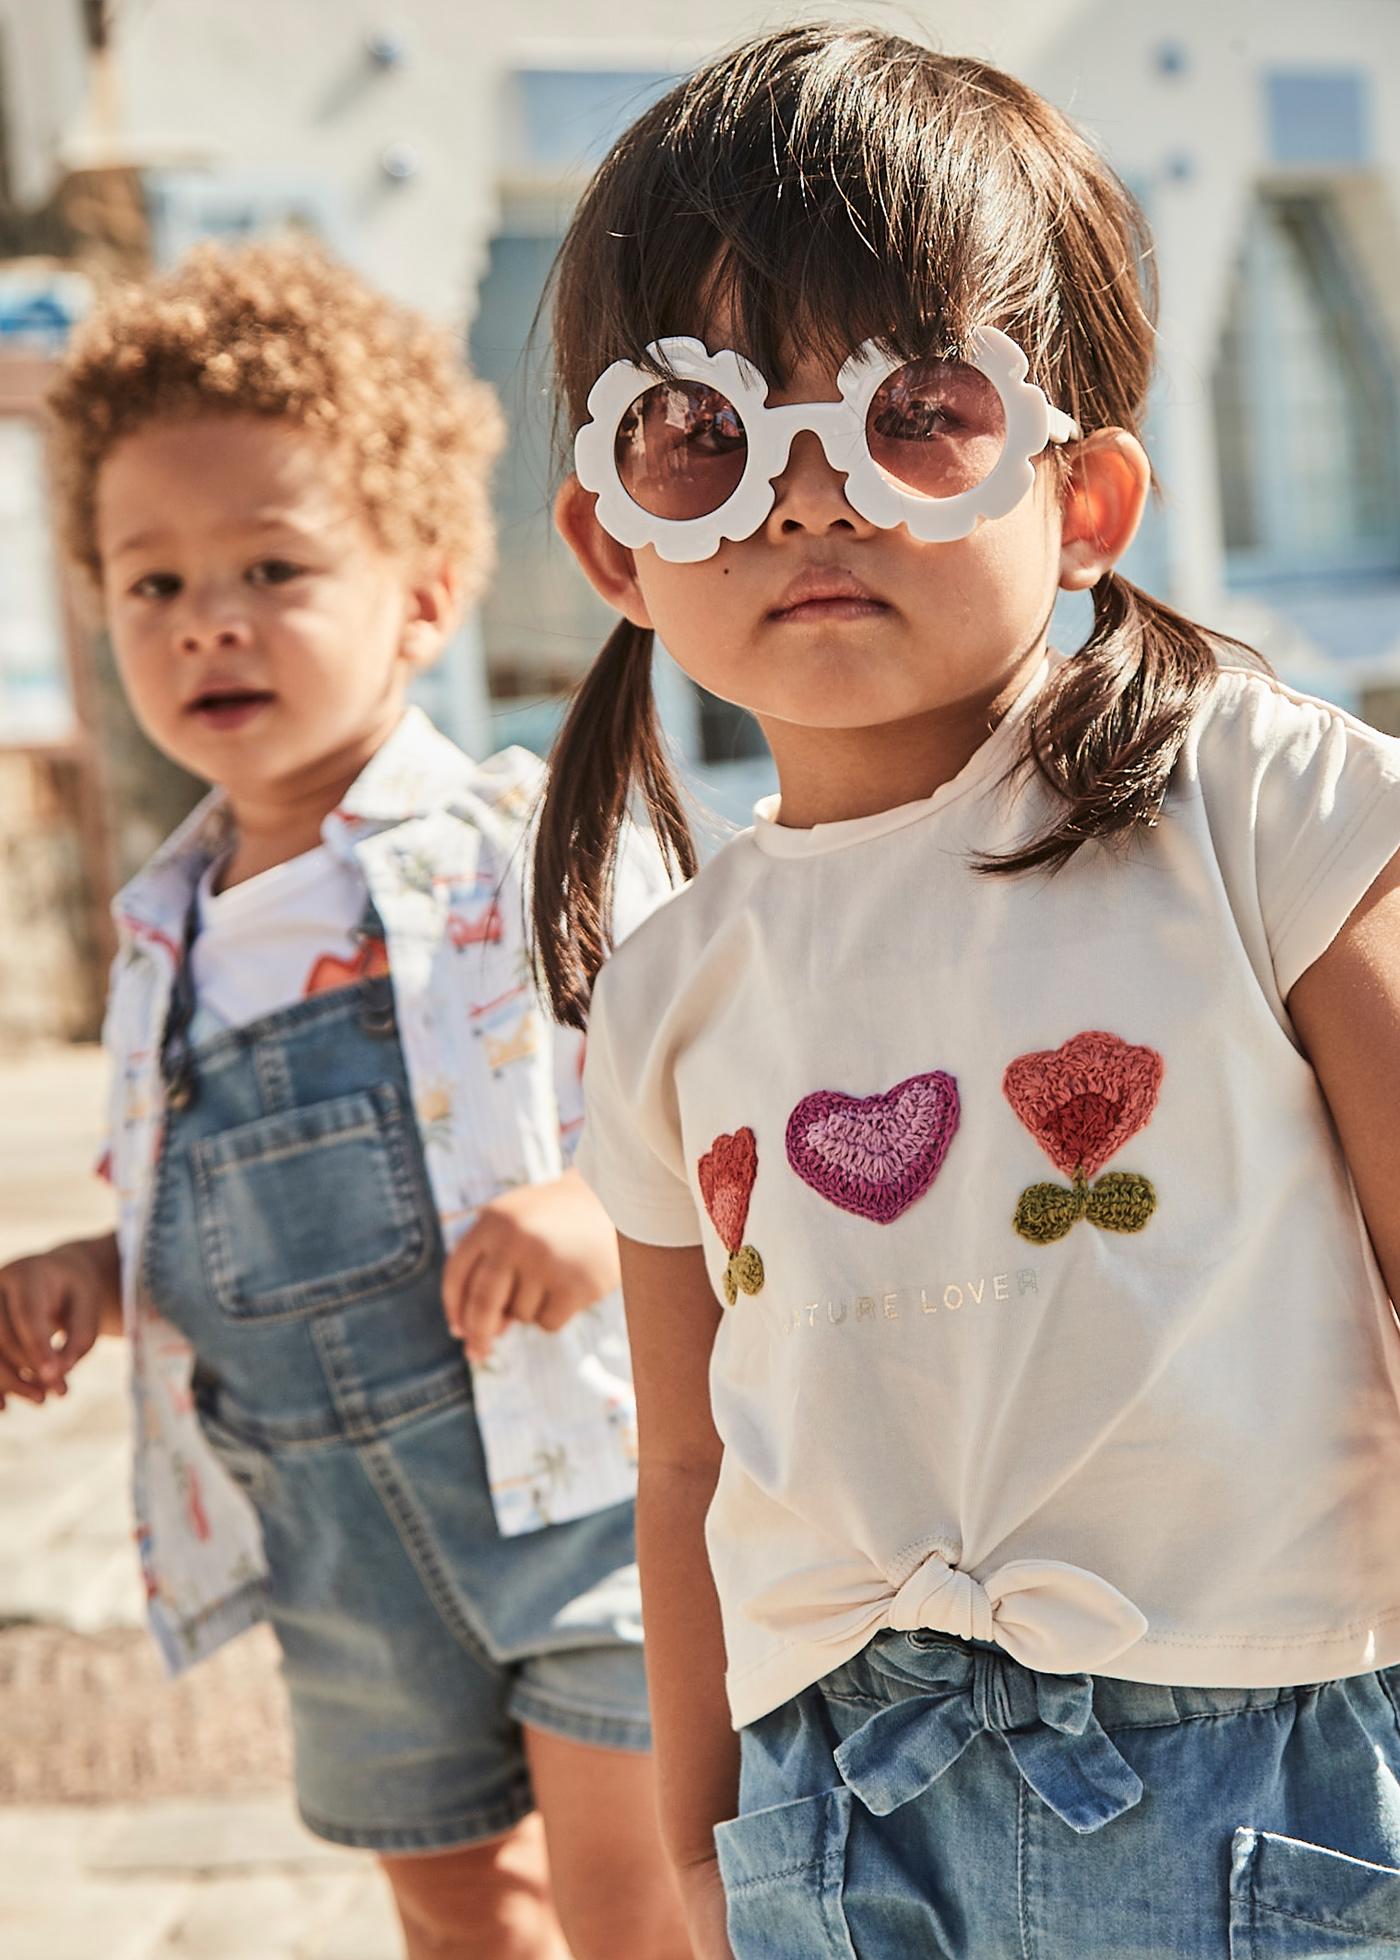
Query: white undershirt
x,y
275,938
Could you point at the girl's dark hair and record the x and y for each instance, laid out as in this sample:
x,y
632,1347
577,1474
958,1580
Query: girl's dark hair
x,y
835,185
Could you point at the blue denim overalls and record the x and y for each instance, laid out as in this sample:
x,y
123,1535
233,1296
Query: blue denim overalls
x,y
293,1240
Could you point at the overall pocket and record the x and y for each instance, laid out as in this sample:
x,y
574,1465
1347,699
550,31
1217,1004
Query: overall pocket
x,y
784,1873
1296,1901
312,1208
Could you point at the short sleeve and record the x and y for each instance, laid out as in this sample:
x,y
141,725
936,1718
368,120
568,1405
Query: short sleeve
x,y
1314,795
631,1152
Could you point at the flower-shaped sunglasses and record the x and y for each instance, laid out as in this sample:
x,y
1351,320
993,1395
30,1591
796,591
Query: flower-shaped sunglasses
x,y
934,444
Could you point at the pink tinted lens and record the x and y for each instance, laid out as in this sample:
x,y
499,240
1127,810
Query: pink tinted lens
x,y
937,428
681,450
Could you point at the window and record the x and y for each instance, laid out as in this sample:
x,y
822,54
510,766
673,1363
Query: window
x,y
1305,404
541,625
187,206
562,119
1318,118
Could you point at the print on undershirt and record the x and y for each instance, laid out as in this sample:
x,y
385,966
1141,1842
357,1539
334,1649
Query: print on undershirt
x,y
329,973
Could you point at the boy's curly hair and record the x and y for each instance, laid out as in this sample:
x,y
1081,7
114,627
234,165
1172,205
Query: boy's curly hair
x,y
280,328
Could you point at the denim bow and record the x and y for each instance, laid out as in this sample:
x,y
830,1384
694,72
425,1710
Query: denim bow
x,y
1047,1722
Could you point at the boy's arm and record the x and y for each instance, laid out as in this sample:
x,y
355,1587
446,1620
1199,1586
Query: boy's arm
x,y
672,1318
1346,1008
70,1294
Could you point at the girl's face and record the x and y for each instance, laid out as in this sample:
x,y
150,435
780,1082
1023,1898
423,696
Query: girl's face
x,y
823,621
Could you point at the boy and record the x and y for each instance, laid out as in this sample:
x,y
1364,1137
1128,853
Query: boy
x,y
338,1109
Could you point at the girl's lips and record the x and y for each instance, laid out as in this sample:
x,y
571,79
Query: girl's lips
x,y
227,711
812,611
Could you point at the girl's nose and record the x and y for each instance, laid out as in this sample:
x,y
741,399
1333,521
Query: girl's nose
x,y
810,495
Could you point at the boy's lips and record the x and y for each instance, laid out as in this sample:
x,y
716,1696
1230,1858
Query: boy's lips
x,y
228,707
817,595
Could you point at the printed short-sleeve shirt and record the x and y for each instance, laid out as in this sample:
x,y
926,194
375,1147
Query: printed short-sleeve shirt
x,y
440,844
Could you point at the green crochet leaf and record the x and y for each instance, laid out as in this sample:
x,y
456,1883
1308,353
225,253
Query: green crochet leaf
x,y
743,1274
1121,1202
1047,1211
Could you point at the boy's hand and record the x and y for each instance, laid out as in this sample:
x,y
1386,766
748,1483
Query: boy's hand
x,y
541,1254
53,1306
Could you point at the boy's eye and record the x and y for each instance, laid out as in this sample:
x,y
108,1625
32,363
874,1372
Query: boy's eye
x,y
156,585
273,571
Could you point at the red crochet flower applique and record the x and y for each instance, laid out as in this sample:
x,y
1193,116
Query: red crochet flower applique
x,y
1082,1103
727,1173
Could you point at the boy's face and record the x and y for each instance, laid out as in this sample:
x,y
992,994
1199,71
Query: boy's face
x,y
263,635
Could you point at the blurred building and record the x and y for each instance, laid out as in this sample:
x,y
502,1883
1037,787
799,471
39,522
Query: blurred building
x,y
441,147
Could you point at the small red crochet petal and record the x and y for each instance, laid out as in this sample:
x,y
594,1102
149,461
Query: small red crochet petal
x,y
727,1173
1082,1102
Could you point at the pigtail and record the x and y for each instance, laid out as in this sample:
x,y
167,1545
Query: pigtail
x,y
1106,732
610,745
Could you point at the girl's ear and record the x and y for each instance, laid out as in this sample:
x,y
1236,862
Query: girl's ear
x,y
609,567
1102,505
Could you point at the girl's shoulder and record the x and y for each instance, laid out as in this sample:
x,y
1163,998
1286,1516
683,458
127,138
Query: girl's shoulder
x,y
659,952
1252,721
1301,805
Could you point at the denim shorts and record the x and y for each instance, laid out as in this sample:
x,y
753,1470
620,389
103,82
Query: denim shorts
x,y
294,1241
933,1798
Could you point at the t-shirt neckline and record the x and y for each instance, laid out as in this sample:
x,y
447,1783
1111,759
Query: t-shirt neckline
x,y
776,839
269,887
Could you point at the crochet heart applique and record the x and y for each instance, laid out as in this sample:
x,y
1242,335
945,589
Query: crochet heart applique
x,y
1082,1103
727,1173
874,1155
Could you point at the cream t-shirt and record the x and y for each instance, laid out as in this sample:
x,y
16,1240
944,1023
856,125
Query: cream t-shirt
x,y
1051,1317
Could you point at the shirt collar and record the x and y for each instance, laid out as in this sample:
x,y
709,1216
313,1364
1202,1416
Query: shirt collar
x,y
415,772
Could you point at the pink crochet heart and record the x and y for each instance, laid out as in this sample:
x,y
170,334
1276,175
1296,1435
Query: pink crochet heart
x,y
1083,1101
874,1155
727,1173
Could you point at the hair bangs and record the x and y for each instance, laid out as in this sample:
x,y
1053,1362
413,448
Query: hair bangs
x,y
811,192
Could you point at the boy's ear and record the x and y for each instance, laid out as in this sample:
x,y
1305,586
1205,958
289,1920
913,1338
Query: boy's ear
x,y
609,567
434,610
1101,507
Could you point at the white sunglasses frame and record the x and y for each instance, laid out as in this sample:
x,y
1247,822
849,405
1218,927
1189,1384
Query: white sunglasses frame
x,y
1031,423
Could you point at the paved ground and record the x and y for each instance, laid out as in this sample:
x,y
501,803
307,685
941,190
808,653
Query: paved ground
x,y
138,1820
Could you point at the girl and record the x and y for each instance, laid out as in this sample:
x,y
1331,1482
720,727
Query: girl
x,y
997,1126
342,1127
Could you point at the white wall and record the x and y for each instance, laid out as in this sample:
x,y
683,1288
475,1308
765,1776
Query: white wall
x,y
286,86
284,90
44,64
